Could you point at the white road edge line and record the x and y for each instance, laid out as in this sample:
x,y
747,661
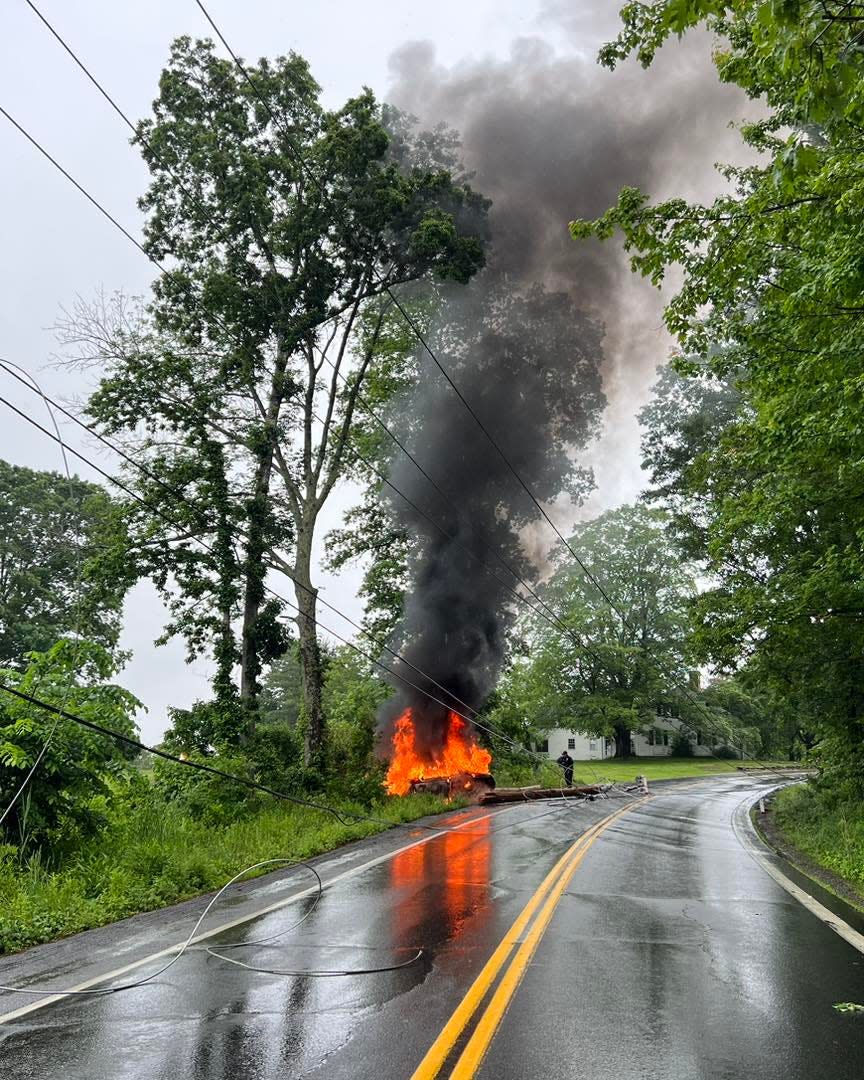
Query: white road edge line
x,y
752,842
222,927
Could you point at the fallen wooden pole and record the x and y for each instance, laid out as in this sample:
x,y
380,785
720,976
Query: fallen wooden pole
x,y
504,795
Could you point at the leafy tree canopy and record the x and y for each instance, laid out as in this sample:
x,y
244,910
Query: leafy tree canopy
x,y
770,307
61,562
79,767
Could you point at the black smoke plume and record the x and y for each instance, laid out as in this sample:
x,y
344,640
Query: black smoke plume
x,y
548,136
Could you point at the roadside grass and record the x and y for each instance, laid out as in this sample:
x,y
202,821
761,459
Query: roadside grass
x,y
158,856
832,834
548,774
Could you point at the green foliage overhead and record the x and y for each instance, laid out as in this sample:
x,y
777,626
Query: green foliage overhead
x,y
765,475
61,562
62,803
804,56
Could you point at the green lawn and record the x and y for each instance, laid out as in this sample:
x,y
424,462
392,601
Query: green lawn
x,y
667,768
590,772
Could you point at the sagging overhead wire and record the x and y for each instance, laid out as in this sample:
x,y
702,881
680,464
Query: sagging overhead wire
x,y
385,289
343,816
421,338
552,618
191,196
473,719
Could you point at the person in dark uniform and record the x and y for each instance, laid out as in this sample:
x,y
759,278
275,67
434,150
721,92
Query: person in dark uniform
x,y
566,763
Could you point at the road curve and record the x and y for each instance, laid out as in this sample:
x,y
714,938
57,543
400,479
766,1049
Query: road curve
x,y
616,939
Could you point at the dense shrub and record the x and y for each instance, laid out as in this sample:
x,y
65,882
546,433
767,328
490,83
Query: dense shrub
x,y
681,745
64,807
203,796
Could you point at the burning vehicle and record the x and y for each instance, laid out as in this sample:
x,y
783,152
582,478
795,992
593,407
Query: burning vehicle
x,y
469,785
458,765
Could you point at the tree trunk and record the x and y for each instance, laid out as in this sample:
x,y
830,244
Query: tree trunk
x,y
253,595
225,652
622,741
253,592
310,653
255,571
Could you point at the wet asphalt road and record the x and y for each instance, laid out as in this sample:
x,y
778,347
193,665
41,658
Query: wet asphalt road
x,y
671,955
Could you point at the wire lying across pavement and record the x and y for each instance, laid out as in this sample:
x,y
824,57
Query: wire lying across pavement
x,y
313,973
185,946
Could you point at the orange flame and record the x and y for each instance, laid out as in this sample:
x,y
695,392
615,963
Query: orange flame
x,y
460,754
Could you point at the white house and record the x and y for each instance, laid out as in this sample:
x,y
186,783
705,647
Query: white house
x,y
655,742
578,745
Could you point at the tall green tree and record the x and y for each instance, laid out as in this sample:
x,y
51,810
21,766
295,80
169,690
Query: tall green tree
x,y
633,653
61,565
771,300
284,227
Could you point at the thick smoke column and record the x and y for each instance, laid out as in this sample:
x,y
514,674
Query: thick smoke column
x,y
548,137
528,364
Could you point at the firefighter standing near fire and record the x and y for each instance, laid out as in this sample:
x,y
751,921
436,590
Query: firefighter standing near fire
x,y
566,763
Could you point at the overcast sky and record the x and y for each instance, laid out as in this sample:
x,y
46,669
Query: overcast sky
x,y
55,246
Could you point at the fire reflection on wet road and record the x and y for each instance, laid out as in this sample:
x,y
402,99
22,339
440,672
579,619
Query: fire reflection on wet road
x,y
672,954
446,882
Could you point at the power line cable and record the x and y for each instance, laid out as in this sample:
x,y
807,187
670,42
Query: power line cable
x,y
558,621
410,322
553,618
339,637
194,199
39,991
474,719
385,288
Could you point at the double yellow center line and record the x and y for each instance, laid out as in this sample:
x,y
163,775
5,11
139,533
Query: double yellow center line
x,y
548,894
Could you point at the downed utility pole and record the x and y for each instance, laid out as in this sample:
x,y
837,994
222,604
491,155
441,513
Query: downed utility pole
x,y
505,795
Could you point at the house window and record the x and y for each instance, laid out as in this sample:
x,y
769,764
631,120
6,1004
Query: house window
x,y
593,745
651,735
571,744
698,738
665,738
542,746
